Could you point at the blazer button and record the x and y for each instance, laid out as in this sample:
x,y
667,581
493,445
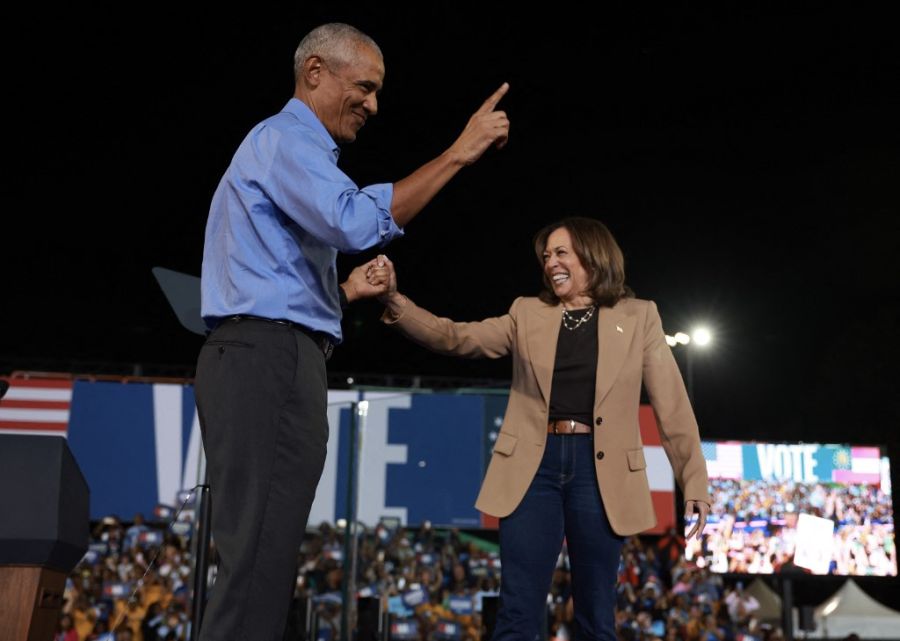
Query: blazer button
x,y
599,420
600,455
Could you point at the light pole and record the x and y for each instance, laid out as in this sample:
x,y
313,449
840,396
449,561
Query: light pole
x,y
699,338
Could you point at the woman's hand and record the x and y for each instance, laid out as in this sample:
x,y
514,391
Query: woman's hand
x,y
703,510
381,273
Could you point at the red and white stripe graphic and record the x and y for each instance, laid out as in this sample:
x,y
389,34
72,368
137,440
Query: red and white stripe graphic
x,y
36,406
659,472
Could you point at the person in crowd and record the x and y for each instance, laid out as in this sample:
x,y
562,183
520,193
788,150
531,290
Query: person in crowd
x,y
65,629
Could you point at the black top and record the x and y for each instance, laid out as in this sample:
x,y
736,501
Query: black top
x,y
575,370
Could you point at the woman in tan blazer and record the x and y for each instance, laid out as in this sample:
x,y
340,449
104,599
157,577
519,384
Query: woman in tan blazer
x,y
568,461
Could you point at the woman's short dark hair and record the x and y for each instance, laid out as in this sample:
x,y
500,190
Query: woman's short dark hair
x,y
599,254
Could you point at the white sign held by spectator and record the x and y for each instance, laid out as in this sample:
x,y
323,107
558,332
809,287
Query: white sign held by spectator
x,y
814,543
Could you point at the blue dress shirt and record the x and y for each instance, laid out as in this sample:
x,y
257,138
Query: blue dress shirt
x,y
279,216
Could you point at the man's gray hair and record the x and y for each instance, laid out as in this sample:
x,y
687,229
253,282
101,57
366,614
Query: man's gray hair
x,y
335,42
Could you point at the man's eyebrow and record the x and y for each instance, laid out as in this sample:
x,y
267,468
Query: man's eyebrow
x,y
368,84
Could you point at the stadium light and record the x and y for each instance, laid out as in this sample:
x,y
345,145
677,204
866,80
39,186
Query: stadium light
x,y
702,336
679,338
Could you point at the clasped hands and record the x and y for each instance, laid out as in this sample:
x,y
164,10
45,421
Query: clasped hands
x,y
376,278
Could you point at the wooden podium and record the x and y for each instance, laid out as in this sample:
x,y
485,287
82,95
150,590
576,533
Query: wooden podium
x,y
30,601
44,532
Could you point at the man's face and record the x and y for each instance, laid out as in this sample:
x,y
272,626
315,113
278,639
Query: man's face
x,y
349,93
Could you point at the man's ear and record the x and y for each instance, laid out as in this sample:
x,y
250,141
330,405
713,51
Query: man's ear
x,y
312,71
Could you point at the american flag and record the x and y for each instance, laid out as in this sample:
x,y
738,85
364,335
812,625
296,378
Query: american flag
x,y
36,406
723,460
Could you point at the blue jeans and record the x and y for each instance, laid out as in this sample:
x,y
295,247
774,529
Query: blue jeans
x,y
563,500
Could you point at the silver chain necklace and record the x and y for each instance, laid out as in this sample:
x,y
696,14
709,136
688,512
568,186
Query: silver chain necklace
x,y
576,322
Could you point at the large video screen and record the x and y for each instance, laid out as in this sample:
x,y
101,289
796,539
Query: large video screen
x,y
815,508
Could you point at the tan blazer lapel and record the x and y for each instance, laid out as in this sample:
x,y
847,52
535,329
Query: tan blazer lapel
x,y
614,333
542,333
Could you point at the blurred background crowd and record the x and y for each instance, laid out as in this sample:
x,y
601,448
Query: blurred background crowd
x,y
135,582
753,525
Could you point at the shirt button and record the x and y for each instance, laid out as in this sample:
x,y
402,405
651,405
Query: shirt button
x,y
600,455
599,420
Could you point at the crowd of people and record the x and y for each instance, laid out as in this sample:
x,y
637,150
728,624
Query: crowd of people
x,y
134,585
753,527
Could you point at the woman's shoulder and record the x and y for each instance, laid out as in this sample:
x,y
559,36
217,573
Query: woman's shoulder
x,y
624,304
632,305
629,305
529,304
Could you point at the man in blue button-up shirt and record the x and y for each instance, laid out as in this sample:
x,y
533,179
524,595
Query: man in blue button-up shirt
x,y
271,297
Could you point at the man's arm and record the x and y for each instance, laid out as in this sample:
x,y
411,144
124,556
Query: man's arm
x,y
486,127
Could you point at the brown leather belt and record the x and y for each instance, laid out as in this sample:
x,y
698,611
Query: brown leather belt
x,y
568,426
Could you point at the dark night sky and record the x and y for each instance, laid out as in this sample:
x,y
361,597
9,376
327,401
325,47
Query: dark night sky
x,y
748,165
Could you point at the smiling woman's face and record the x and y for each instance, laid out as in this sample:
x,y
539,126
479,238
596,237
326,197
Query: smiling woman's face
x,y
564,270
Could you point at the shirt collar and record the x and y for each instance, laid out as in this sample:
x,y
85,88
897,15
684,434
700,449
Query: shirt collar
x,y
305,115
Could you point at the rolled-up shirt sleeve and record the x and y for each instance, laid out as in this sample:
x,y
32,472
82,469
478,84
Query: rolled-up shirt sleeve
x,y
383,194
311,190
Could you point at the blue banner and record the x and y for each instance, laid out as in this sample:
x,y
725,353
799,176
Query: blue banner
x,y
421,456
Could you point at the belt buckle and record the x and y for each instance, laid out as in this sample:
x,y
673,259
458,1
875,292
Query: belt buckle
x,y
571,426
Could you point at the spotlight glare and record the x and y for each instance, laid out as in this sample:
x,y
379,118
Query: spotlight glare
x,y
702,336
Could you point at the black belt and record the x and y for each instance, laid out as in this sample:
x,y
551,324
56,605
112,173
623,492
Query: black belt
x,y
321,339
